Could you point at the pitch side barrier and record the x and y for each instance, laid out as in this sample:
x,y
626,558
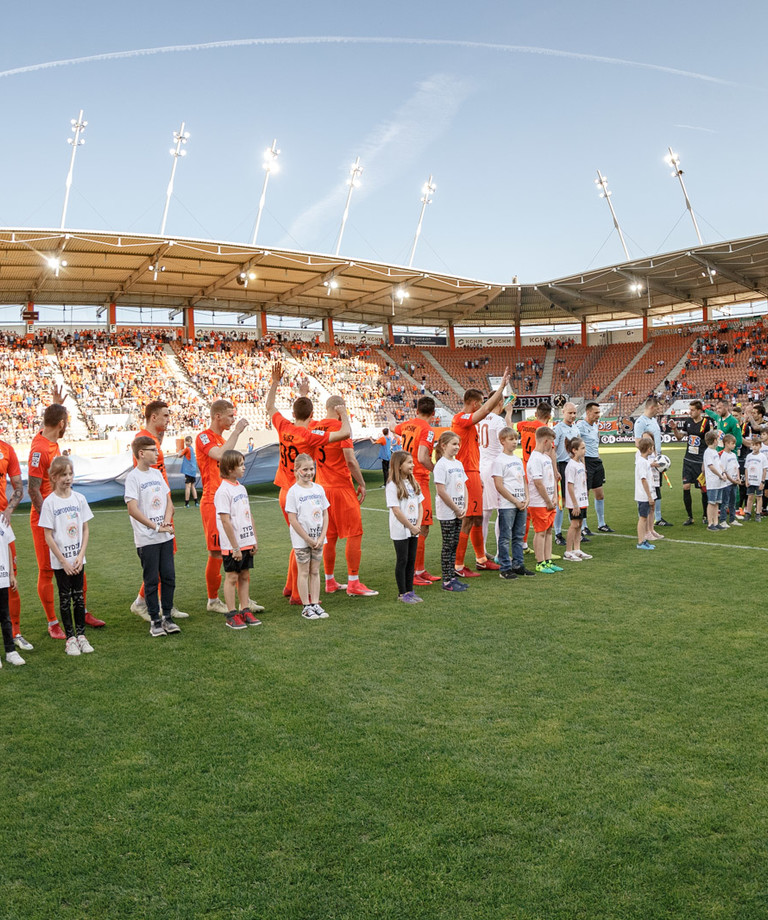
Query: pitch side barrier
x,y
104,479
621,430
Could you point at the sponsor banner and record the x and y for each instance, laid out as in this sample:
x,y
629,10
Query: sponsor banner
x,y
621,430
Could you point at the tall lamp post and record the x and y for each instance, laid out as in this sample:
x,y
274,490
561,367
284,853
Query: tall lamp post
x,y
426,198
353,182
180,137
269,165
673,160
602,184
78,126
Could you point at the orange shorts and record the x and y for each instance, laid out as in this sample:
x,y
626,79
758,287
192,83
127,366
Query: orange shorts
x,y
541,518
42,552
426,506
474,486
211,531
344,516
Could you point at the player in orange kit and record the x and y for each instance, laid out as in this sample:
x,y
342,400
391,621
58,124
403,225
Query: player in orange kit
x,y
11,470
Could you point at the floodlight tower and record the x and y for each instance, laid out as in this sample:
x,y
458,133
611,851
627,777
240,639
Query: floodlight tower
x,y
353,182
78,126
269,165
602,184
428,189
673,160
181,137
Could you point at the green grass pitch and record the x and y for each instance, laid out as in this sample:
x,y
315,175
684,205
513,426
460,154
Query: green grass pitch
x,y
586,745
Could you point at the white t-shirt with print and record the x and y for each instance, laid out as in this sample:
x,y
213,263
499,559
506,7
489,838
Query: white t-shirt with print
x,y
409,507
540,467
150,492
644,471
6,538
576,473
308,504
231,498
449,473
65,517
712,458
512,473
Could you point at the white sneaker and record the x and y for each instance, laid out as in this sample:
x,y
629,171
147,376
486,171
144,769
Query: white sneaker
x,y
72,648
177,614
320,612
736,523
14,658
139,607
216,606
724,525
571,557
255,608
582,555
20,642
84,645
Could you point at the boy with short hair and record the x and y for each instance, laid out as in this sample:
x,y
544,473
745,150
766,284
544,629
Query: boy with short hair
x,y
754,476
509,479
715,480
644,490
542,491
730,464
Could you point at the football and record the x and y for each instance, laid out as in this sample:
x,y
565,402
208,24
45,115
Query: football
x,y
663,463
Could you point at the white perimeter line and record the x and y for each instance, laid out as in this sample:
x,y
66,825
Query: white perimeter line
x,y
626,536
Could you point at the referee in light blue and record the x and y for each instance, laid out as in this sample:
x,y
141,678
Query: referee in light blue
x,y
648,424
590,433
565,429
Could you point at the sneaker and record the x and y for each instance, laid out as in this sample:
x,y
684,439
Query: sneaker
x,y
555,568
309,613
85,646
429,577
554,556
645,545
559,539
178,614
487,566
408,598
156,629
758,518
724,525
215,605
508,574
523,571
421,581
14,658
687,522
170,627
704,521
20,642
587,531
93,622
416,597
736,524
571,556
454,585
585,539
331,587
582,555
249,618
662,523
141,610
236,621
254,607
713,527
655,536
358,589
320,612
72,648
606,529
55,631
464,572
527,549
543,569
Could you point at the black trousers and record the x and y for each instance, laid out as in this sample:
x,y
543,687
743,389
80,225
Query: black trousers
x,y
450,531
385,470
5,621
157,565
405,551
71,598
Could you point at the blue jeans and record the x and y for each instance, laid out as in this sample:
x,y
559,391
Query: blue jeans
x,y
728,504
511,529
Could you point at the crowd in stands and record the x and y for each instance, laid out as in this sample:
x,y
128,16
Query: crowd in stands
x,y
27,379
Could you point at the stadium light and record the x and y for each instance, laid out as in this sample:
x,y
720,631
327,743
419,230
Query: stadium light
x,y
330,285
56,264
181,137
428,189
673,160
78,126
269,166
353,182
602,184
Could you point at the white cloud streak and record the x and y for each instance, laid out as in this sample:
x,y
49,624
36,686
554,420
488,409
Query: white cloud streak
x,y
363,40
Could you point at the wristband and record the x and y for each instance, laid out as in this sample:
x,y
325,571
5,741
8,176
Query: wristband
x,y
157,528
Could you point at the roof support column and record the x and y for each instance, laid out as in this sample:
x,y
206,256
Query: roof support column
x,y
29,317
112,314
189,323
583,332
451,336
262,324
390,330
518,337
645,329
328,331
705,313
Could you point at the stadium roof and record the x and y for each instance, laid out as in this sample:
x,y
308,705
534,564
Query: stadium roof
x,y
54,267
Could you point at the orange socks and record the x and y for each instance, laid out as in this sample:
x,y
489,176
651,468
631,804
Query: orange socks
x,y
212,577
461,549
478,544
354,554
420,550
14,608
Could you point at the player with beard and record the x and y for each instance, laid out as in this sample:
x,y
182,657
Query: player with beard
x,y
693,430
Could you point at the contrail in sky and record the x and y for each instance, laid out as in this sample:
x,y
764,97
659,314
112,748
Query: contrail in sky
x,y
362,40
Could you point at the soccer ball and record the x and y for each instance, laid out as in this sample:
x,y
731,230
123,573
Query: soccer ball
x,y
663,463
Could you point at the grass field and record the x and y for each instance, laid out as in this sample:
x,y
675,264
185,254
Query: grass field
x,y
585,745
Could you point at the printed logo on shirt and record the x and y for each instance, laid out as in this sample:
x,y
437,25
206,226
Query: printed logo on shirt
x,y
156,503
204,439
72,531
36,457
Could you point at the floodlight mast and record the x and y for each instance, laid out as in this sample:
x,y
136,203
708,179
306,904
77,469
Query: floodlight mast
x,y
269,165
78,126
353,182
673,160
181,137
428,189
602,184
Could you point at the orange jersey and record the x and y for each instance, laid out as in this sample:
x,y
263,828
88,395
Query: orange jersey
x,y
469,451
41,455
332,469
414,432
294,440
9,466
160,465
527,432
209,468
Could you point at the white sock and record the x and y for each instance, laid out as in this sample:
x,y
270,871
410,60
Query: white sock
x,y
329,577
353,578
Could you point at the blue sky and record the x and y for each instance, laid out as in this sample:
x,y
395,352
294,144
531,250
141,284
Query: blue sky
x,y
513,138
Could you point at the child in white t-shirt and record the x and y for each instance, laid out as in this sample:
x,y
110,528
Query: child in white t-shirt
x,y
150,508
307,508
576,497
64,518
450,504
508,477
404,500
715,480
237,539
755,469
645,494
7,582
542,490
730,464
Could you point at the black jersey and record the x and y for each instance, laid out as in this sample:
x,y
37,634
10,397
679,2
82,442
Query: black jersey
x,y
695,431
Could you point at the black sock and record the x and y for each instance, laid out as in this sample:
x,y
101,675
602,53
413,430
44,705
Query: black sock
x,y
687,502
704,503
